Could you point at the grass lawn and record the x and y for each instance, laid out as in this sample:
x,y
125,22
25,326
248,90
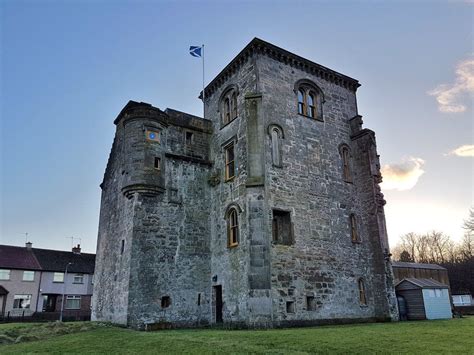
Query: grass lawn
x,y
443,336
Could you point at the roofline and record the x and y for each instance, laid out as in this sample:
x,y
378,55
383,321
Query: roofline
x,y
258,45
407,264
62,251
414,283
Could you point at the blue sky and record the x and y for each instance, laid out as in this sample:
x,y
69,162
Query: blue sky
x,y
68,67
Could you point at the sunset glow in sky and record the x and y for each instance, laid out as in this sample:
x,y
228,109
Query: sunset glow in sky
x,y
68,68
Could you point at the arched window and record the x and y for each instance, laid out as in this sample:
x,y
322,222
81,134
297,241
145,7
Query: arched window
x,y
228,104
301,106
354,233
346,162
232,227
310,99
276,135
362,296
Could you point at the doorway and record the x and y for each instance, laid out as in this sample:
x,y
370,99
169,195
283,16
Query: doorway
x,y
217,290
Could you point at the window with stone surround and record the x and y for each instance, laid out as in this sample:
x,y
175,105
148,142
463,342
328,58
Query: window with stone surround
x,y
310,99
276,136
228,104
290,307
282,228
354,232
310,303
229,161
345,153
362,296
232,227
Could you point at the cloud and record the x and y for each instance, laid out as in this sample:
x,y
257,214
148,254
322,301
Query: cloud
x,y
450,97
402,176
466,150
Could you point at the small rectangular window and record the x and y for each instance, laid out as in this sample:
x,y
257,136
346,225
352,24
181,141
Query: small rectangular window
x,y
229,162
4,274
310,303
58,277
21,301
165,301
157,164
28,275
152,135
282,230
78,279
73,302
122,247
189,138
290,307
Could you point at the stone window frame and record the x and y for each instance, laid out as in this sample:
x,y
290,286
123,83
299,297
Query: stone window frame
x,y
229,143
309,89
362,292
354,230
232,226
292,226
228,105
276,144
346,162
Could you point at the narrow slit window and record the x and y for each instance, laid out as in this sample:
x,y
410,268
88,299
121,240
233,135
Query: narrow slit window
x,y
229,162
122,247
233,228
362,297
354,232
189,138
346,164
227,110
157,164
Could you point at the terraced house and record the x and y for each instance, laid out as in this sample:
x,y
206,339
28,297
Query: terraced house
x,y
266,212
33,280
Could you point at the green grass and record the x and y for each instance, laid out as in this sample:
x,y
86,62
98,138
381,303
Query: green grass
x,y
444,336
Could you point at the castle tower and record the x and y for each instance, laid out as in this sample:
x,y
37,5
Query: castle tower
x,y
266,213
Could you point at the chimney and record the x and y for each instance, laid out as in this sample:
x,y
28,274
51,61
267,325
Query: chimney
x,y
28,245
77,249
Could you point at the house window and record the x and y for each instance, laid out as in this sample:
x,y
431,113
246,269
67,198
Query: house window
x,y
21,301
232,228
346,167
353,224
58,277
165,301
310,99
362,297
157,164
276,135
290,307
78,279
73,302
228,105
4,274
28,275
282,230
229,162
152,135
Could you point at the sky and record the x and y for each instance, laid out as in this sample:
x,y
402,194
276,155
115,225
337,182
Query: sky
x,y
68,68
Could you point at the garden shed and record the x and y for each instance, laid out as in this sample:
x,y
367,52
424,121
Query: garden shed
x,y
423,299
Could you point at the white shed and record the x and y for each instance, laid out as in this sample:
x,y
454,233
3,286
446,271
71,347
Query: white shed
x,y
425,298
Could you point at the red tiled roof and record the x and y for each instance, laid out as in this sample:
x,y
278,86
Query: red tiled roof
x,y
18,258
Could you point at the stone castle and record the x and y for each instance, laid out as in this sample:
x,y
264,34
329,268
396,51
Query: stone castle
x,y
266,213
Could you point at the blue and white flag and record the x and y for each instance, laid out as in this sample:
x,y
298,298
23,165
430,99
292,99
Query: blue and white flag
x,y
195,51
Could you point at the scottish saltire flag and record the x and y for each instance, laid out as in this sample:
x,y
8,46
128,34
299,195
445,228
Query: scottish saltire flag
x,y
195,51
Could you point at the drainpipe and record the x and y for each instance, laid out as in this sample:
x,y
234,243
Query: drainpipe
x,y
39,290
64,291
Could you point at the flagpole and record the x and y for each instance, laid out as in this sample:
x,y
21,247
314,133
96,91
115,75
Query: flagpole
x,y
203,93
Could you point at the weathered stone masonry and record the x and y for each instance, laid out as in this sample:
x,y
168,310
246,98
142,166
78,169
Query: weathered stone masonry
x,y
163,257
